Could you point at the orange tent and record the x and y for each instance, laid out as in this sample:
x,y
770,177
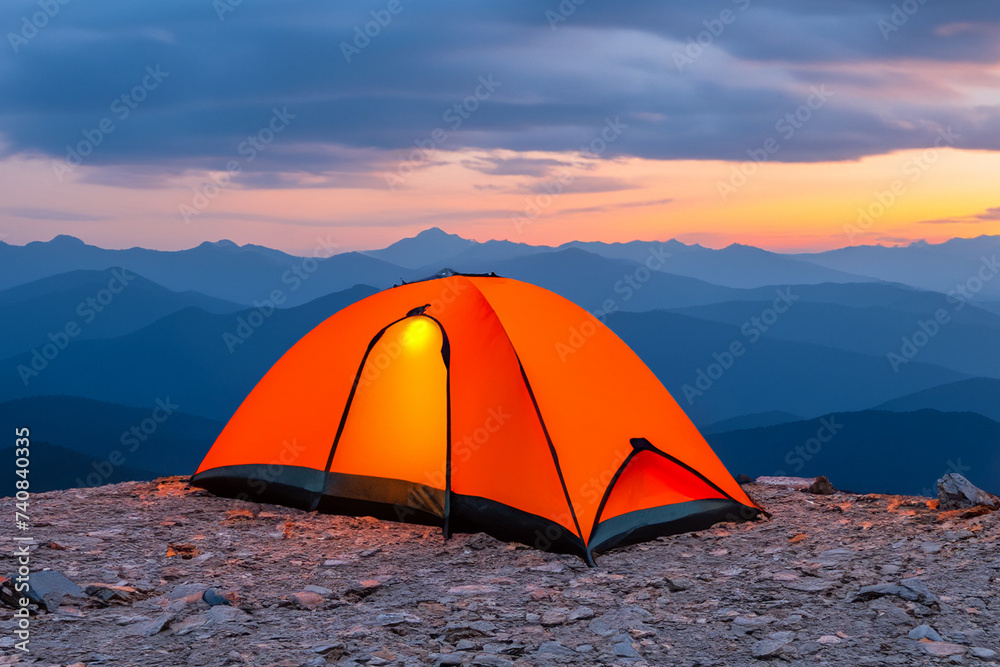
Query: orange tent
x,y
477,403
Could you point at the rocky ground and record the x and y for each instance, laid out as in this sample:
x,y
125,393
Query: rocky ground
x,y
838,579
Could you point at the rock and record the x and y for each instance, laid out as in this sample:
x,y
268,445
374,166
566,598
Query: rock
x,y
797,483
620,620
820,486
214,598
554,617
555,648
184,590
768,648
829,640
626,650
744,624
580,614
930,547
924,632
886,610
49,588
307,600
150,628
490,660
956,535
183,550
924,596
466,630
982,653
676,584
388,620
472,589
554,568
232,620
810,585
445,659
942,649
110,592
189,624
742,479
908,589
956,492
181,604
323,649
532,618
134,618
363,589
318,590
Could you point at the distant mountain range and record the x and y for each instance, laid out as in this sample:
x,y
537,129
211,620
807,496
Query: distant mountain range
x,y
941,267
870,451
93,338
980,395
101,304
157,437
243,274
54,467
206,362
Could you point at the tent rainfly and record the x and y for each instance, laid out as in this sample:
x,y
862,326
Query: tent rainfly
x,y
477,403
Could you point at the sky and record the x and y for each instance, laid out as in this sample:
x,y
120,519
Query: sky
x,y
787,125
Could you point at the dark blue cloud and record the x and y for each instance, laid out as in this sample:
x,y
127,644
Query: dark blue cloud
x,y
558,86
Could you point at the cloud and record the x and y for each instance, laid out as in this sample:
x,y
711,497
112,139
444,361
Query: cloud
x,y
582,185
613,207
557,87
989,215
46,214
515,166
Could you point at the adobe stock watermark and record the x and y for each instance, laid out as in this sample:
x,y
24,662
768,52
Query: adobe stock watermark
x,y
130,440
31,25
898,17
591,491
798,456
714,28
223,7
787,126
627,287
454,116
273,471
364,34
927,329
87,311
562,13
535,205
913,169
297,274
463,449
121,108
248,149
753,329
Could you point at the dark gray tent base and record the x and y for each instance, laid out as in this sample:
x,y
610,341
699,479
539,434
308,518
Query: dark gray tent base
x,y
397,500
